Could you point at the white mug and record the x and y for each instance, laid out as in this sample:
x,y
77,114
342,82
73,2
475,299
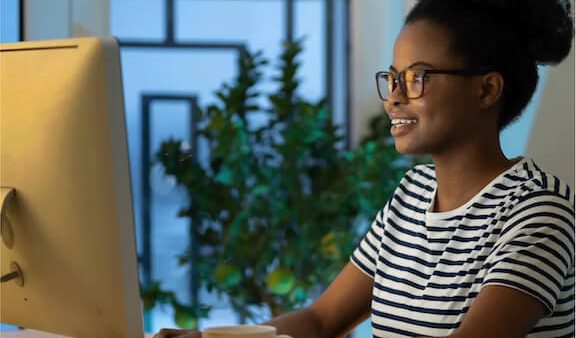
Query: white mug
x,y
242,331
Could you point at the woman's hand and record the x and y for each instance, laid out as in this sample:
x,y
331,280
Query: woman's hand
x,y
174,333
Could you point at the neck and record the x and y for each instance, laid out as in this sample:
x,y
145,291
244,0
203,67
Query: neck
x,y
461,175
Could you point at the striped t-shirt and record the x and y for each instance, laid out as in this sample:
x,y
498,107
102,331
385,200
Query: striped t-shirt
x,y
428,267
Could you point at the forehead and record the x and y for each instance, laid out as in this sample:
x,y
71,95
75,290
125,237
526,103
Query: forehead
x,y
424,41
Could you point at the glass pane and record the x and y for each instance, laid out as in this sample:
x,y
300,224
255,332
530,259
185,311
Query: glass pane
x,y
174,71
147,25
9,21
170,233
179,71
311,25
257,24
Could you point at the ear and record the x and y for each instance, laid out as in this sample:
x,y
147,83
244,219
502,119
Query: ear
x,y
492,86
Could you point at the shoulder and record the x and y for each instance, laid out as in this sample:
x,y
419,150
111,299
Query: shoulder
x,y
547,183
526,180
540,185
542,203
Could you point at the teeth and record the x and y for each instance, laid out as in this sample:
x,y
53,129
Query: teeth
x,y
396,122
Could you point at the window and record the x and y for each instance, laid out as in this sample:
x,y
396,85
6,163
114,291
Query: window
x,y
168,55
10,21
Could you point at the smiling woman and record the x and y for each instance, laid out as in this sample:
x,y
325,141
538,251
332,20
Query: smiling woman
x,y
476,236
476,244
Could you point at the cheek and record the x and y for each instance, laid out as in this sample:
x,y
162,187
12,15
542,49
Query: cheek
x,y
447,103
433,110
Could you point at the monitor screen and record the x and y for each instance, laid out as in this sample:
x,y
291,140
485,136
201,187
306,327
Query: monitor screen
x,y
68,252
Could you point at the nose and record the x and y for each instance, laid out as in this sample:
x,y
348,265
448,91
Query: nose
x,y
395,99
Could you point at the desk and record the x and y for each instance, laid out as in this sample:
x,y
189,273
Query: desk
x,y
38,334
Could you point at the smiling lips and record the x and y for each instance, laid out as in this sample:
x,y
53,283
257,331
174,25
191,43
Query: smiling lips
x,y
402,122
401,127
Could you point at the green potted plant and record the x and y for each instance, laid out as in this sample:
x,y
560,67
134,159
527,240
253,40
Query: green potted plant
x,y
278,208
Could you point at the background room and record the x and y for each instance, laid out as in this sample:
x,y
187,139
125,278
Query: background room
x,y
177,54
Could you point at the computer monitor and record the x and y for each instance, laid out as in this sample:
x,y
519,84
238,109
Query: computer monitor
x,y
67,220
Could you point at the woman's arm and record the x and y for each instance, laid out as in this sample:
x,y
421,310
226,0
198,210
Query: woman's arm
x,y
344,304
500,312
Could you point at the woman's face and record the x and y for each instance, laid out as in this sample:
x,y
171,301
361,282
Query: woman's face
x,y
448,113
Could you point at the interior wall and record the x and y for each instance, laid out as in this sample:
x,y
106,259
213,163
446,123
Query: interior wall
x,y
551,142
374,25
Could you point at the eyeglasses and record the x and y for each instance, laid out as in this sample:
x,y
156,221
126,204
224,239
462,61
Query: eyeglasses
x,y
411,81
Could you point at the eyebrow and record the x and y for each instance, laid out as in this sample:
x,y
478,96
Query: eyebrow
x,y
418,63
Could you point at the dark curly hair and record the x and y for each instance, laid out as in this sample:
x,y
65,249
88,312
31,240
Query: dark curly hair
x,y
511,36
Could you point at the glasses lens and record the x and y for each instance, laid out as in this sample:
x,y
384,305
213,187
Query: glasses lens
x,y
414,83
385,83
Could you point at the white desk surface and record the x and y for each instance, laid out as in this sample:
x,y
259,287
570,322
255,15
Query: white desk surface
x,y
38,334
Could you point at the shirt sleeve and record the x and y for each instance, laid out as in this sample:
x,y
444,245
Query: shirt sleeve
x,y
536,248
366,253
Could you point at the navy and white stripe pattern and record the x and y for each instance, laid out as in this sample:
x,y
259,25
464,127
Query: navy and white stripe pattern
x,y
428,267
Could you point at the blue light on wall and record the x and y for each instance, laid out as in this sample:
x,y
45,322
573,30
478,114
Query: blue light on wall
x,y
9,21
514,139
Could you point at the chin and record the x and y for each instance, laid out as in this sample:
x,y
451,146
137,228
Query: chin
x,y
405,149
418,145
411,149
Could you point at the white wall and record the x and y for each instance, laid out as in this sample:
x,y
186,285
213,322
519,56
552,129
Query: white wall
x,y
551,142
374,25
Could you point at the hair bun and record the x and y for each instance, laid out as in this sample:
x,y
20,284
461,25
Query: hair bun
x,y
549,26
545,27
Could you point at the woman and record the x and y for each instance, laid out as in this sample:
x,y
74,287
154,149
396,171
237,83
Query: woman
x,y
475,245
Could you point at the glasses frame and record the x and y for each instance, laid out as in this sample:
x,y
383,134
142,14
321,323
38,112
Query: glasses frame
x,y
400,78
